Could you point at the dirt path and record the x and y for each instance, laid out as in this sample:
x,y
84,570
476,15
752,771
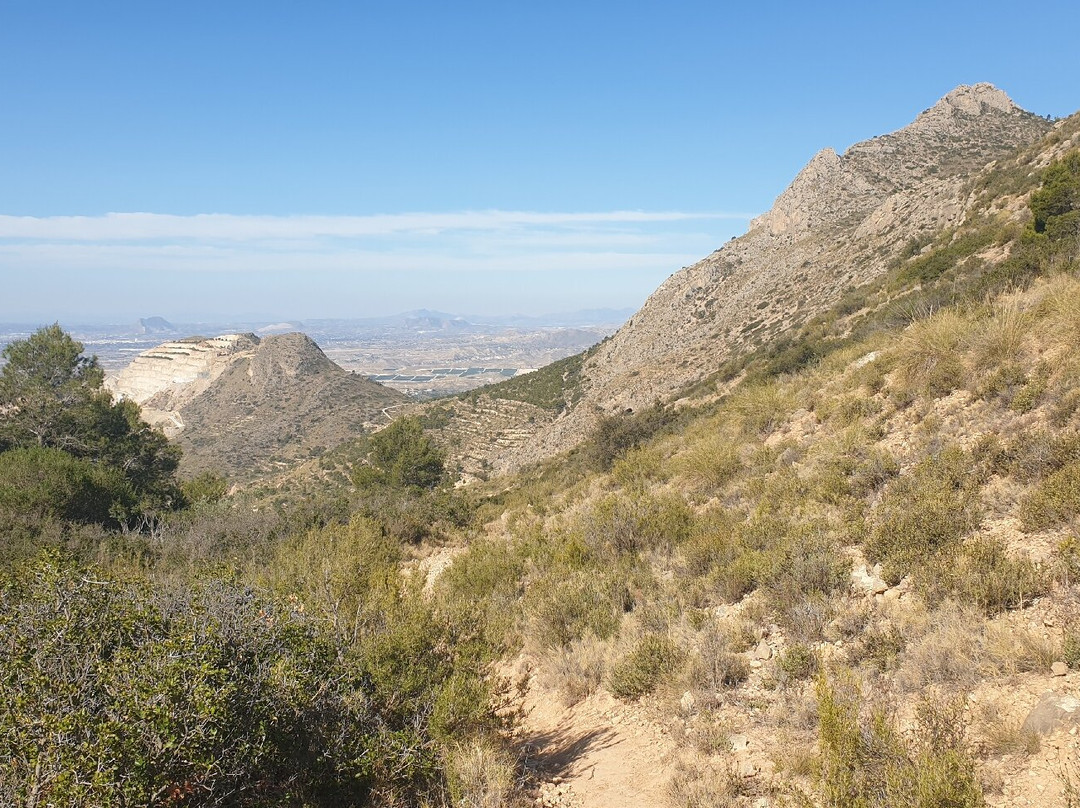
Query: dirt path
x,y
597,754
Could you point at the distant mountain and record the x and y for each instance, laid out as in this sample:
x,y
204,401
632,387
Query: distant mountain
x,y
154,325
246,406
571,319
281,328
431,320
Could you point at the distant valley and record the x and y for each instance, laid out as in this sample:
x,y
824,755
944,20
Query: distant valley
x,y
421,353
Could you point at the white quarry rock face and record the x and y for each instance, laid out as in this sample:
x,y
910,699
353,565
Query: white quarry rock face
x,y
170,375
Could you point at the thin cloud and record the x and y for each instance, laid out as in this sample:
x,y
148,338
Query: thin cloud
x,y
135,227
202,259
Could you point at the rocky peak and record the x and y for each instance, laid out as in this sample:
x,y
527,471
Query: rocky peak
x,y
842,221
964,130
974,99
289,355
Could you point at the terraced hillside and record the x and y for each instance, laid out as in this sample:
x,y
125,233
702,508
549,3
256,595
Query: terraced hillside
x,y
248,407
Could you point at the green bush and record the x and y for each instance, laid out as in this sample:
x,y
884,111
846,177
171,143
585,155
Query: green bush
x,y
866,761
51,397
639,672
616,434
798,661
1055,500
116,695
636,522
206,487
404,457
51,484
923,512
982,573
880,646
566,605
1059,195
1071,647
479,595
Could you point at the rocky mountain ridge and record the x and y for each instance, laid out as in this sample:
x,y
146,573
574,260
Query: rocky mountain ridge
x,y
843,221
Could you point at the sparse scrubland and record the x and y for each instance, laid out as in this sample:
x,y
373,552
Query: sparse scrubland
x,y
855,549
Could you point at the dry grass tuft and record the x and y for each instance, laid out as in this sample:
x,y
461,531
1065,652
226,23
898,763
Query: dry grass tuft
x,y
929,358
576,671
481,775
1005,736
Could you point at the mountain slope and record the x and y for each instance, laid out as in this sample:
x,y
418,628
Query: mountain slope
x,y
843,221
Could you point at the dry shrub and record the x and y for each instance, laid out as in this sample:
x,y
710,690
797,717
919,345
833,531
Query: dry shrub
x,y
1063,393
710,543
761,407
1055,500
710,463
798,757
708,734
1037,453
929,358
741,634
879,646
1058,309
984,574
695,786
961,649
481,774
952,652
851,466
1005,736
924,512
634,522
639,467
576,671
867,761
1017,649
717,668
999,339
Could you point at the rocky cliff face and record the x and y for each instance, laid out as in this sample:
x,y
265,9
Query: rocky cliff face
x,y
246,406
842,221
164,379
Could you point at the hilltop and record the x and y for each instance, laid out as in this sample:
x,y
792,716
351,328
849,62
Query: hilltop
x,y
248,406
841,568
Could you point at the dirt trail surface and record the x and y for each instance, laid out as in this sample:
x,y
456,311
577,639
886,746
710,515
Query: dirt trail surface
x,y
599,753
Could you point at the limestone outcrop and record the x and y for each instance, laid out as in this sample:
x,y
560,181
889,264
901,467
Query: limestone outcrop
x,y
163,379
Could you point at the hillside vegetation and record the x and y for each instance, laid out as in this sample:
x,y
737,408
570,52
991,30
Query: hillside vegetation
x,y
858,542
840,570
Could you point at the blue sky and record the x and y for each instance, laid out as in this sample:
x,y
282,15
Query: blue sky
x,y
290,160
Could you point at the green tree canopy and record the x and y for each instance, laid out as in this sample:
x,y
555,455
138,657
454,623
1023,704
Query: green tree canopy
x,y
51,398
1059,195
405,457
47,388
